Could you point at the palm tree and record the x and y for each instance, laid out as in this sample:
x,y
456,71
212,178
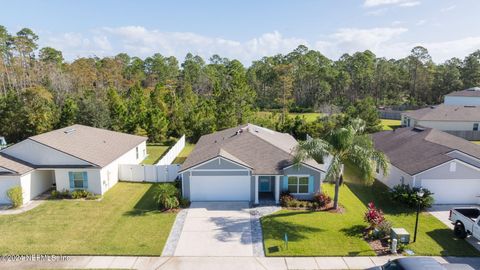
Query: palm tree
x,y
344,145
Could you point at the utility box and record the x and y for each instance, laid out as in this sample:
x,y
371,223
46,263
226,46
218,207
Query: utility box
x,y
401,235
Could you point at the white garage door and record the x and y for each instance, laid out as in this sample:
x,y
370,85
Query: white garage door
x,y
454,191
220,188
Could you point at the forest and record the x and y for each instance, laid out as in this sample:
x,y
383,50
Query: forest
x,y
162,98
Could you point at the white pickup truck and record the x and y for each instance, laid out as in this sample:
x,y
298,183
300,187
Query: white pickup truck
x,y
466,221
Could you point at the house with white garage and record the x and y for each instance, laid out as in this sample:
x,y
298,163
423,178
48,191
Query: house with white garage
x,y
248,163
75,157
447,165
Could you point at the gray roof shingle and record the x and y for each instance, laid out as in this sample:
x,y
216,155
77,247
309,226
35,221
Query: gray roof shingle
x,y
470,92
94,145
263,150
414,150
444,112
13,165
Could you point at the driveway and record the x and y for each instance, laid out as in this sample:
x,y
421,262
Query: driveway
x,y
442,213
216,229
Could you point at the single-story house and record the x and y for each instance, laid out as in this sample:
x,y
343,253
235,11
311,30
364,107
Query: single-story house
x,y
459,112
467,97
248,163
75,157
447,165
444,117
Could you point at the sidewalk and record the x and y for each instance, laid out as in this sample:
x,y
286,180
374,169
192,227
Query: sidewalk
x,y
223,263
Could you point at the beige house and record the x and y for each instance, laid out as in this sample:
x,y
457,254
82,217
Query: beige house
x,y
459,113
75,157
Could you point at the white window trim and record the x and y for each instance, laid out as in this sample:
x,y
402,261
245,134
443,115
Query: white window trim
x,y
298,182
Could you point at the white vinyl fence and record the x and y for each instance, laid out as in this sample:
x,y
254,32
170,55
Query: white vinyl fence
x,y
173,152
148,173
163,171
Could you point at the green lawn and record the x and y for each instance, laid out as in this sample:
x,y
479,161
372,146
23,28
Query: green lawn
x,y
124,222
389,124
184,154
328,234
155,152
309,117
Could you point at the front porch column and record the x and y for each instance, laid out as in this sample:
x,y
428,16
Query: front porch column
x,y
277,189
256,189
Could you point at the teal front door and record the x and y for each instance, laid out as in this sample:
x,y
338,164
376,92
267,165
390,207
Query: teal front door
x,y
264,184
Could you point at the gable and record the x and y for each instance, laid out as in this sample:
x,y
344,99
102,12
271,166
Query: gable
x,y
462,171
219,163
40,155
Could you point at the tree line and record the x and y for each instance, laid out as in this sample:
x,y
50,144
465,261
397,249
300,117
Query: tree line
x,y
162,98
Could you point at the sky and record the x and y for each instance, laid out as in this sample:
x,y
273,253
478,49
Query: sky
x,y
247,30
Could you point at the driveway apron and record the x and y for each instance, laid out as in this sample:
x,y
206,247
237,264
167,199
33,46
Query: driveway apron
x,y
216,229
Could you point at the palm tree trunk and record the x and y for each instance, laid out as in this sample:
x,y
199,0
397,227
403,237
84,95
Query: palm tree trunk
x,y
337,189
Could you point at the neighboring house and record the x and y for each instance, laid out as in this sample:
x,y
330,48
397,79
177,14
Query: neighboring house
x,y
459,112
468,97
75,157
3,142
447,165
247,163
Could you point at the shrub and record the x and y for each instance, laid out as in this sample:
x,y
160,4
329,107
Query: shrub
x,y
184,203
373,216
92,196
15,195
80,193
55,194
383,229
322,199
408,196
166,196
286,198
293,203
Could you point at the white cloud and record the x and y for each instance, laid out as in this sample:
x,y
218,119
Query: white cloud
x,y
143,42
349,40
448,8
421,22
140,41
402,3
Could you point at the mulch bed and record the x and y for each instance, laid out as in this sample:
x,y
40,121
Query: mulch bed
x,y
328,207
380,246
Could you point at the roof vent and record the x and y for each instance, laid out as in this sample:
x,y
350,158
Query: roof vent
x,y
418,129
432,107
68,131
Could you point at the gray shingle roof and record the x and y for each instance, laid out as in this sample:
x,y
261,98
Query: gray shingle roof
x,y
14,165
470,92
444,112
263,150
94,145
414,150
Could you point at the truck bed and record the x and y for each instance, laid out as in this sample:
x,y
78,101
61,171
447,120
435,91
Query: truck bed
x,y
472,213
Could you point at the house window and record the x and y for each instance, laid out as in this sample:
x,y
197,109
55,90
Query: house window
x,y
402,180
377,168
78,180
408,122
298,184
136,151
475,127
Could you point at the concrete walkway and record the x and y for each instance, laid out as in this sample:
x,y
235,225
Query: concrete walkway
x,y
6,210
442,213
223,263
